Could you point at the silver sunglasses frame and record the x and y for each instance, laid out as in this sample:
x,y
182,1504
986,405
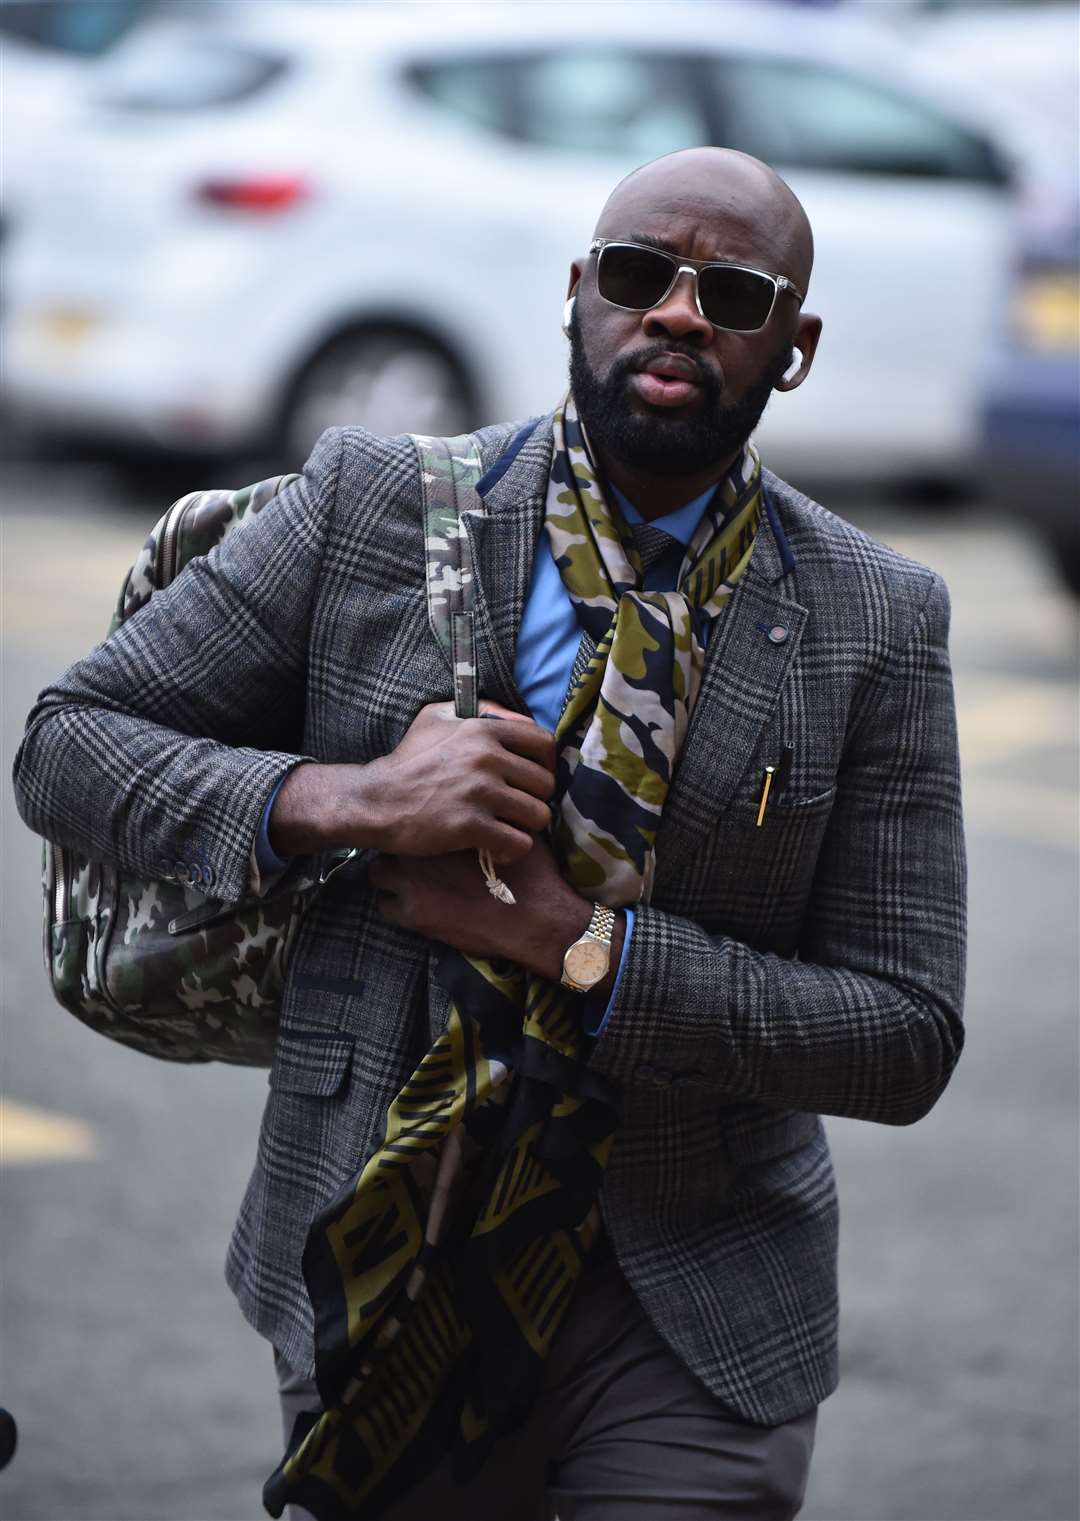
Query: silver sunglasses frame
x,y
694,267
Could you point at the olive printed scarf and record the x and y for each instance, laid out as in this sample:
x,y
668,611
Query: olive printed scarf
x,y
440,1273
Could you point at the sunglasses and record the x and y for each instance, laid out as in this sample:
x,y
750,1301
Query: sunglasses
x,y
731,296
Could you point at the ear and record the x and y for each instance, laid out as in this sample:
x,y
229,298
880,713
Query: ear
x,y
805,340
575,279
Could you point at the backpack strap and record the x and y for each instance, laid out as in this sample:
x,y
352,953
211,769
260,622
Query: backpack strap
x,y
449,471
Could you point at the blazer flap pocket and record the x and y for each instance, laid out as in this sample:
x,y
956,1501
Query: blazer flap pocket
x,y
309,1061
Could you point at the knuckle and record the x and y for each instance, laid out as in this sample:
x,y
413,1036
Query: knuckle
x,y
483,790
517,847
468,784
473,827
477,742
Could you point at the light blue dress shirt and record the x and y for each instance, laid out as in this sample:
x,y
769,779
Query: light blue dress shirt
x,y
547,646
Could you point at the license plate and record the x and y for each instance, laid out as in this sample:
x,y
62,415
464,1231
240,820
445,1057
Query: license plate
x,y
1047,312
66,327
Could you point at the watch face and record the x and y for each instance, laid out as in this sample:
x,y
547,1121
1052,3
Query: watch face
x,y
587,962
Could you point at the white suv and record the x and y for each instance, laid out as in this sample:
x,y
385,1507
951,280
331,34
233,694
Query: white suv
x,y
308,215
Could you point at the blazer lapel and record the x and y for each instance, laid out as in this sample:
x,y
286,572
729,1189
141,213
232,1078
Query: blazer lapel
x,y
747,659
502,539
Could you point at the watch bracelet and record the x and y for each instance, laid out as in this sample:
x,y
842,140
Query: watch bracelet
x,y
602,924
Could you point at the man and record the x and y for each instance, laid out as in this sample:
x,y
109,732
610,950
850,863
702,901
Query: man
x,y
756,771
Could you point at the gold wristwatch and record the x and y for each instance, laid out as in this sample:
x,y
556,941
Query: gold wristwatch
x,y
586,962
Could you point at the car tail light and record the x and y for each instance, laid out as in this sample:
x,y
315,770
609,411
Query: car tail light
x,y
255,192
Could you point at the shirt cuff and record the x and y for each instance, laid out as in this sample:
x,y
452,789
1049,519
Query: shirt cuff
x,y
266,864
594,1020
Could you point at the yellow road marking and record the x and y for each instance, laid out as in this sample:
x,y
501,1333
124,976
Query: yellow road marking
x,y
29,1135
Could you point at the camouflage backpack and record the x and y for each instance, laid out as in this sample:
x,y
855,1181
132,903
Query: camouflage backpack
x,y
154,963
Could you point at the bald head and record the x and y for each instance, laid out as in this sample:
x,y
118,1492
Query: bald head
x,y
737,207
663,441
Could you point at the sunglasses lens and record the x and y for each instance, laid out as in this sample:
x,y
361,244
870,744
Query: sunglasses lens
x,y
737,299
633,277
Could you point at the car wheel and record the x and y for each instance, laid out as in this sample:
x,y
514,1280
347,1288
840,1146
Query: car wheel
x,y
386,380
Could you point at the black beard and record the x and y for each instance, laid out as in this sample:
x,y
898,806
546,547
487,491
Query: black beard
x,y
665,445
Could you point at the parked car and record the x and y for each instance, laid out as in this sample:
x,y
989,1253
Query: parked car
x,y
310,215
48,45
1031,409
1024,55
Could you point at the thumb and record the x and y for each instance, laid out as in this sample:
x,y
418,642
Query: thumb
x,y
489,709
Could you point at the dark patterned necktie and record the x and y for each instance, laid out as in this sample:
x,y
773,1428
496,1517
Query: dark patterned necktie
x,y
652,544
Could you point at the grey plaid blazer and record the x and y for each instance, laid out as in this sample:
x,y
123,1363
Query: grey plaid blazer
x,y
810,966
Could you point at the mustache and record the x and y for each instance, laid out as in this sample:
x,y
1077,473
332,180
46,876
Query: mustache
x,y
630,364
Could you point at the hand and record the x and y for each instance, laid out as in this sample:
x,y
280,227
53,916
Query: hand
x,y
445,898
459,784
451,784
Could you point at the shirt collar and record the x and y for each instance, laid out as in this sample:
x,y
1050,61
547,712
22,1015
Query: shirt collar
x,y
680,524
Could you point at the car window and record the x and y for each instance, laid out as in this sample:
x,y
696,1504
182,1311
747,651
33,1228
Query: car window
x,y
576,98
477,90
85,27
610,100
811,116
187,75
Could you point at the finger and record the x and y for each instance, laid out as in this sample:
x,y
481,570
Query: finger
x,y
490,709
436,710
529,740
504,843
528,776
520,809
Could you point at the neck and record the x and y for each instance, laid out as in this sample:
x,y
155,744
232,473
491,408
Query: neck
x,y
655,496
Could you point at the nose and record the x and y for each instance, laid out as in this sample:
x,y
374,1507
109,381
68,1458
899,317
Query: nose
x,y
677,316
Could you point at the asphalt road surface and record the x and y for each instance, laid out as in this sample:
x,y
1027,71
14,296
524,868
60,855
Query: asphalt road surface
x,y
141,1395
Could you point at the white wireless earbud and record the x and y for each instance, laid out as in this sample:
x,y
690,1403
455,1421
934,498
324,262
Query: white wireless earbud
x,y
567,314
794,367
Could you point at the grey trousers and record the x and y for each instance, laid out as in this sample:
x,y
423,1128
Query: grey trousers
x,y
621,1432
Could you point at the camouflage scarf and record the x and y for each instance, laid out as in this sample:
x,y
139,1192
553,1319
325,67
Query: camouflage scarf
x,y
639,668
441,1272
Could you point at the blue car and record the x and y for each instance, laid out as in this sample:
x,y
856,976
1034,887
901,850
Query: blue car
x,y
1031,409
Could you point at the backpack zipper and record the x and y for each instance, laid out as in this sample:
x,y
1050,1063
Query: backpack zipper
x,y
170,539
59,885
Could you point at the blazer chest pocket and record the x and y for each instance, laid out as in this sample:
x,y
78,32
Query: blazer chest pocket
x,y
777,856
311,1062
749,880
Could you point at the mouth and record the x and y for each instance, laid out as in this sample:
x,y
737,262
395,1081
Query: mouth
x,y
668,380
